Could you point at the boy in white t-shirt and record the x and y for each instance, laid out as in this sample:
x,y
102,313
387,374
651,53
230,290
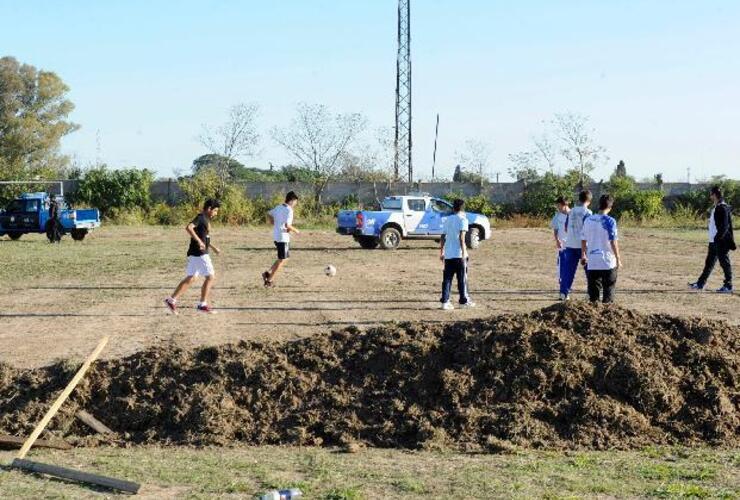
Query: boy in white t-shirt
x,y
571,254
454,253
281,218
600,252
558,223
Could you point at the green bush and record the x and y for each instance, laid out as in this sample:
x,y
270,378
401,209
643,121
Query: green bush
x,y
119,190
477,204
539,195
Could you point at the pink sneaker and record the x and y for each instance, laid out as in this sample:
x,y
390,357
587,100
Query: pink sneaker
x,y
206,309
171,305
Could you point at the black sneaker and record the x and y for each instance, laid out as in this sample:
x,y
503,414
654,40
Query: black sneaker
x,y
725,289
696,286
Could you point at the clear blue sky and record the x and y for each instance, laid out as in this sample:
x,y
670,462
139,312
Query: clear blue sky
x,y
659,79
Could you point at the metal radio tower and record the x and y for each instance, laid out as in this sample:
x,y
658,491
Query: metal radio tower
x,y
402,163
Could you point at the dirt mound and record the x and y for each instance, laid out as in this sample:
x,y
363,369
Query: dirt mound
x,y
567,376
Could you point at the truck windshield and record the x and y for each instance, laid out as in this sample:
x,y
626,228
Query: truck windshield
x,y
28,206
391,204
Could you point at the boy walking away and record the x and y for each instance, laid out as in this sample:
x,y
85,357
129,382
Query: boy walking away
x,y
562,209
600,252
282,219
572,253
199,262
453,252
721,242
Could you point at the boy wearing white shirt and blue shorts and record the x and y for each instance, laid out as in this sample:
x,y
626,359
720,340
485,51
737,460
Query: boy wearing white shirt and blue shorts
x,y
454,253
558,224
282,219
600,252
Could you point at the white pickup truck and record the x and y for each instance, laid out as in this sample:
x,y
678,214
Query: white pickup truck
x,y
407,217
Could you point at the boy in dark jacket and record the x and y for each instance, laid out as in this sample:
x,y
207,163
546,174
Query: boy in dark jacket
x,y
721,242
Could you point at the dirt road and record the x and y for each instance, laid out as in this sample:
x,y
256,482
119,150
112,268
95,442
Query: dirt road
x,y
58,300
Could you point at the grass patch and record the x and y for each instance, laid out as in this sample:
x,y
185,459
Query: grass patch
x,y
376,473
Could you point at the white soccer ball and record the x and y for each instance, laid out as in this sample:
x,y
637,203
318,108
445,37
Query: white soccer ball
x,y
330,270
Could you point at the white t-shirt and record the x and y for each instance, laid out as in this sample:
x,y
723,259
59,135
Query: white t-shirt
x,y
558,224
454,225
283,217
574,226
712,226
598,233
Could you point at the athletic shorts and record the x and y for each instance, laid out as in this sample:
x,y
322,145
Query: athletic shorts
x,y
199,266
283,250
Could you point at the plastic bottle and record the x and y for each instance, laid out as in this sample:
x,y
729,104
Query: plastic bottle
x,y
291,494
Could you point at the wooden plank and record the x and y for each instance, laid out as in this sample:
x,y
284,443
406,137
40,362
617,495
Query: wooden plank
x,y
14,442
62,398
75,475
93,422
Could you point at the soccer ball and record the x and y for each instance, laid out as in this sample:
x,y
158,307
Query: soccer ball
x,y
330,270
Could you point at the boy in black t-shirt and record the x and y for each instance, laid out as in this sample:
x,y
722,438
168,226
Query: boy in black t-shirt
x,y
199,262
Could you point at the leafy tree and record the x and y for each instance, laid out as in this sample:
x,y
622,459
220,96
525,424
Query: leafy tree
x,y
233,168
110,190
621,170
33,119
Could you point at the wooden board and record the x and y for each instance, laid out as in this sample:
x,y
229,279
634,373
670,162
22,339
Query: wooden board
x,y
93,422
61,399
14,442
75,475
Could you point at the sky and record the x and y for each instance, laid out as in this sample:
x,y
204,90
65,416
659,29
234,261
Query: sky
x,y
658,80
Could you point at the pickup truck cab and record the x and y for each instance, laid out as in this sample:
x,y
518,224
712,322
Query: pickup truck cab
x,y
29,213
407,217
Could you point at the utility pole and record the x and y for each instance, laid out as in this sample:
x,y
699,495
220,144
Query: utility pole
x,y
402,163
434,156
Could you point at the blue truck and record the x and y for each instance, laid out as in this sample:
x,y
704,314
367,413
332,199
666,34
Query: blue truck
x,y
407,217
29,214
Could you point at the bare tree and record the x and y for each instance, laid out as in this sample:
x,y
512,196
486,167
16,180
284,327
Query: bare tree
x,y
578,144
236,138
546,151
475,155
319,140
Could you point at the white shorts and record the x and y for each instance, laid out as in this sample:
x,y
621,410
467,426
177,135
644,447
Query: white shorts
x,y
199,266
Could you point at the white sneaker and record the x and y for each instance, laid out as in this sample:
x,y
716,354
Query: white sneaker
x,y
564,297
468,305
447,306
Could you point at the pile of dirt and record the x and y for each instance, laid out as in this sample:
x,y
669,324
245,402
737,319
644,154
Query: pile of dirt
x,y
567,376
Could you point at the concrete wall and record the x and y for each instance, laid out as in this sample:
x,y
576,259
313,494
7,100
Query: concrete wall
x,y
367,192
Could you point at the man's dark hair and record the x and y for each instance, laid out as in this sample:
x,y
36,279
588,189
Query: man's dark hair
x,y
52,196
457,204
211,203
562,200
716,191
584,196
606,201
290,196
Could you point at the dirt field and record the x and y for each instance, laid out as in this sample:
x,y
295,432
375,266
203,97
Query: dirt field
x,y
59,300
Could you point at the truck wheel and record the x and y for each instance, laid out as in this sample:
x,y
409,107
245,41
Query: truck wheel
x,y
472,239
368,242
15,236
390,238
78,234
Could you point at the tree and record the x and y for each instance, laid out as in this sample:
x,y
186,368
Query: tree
x,y
33,119
235,168
475,156
319,140
621,170
236,138
578,146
